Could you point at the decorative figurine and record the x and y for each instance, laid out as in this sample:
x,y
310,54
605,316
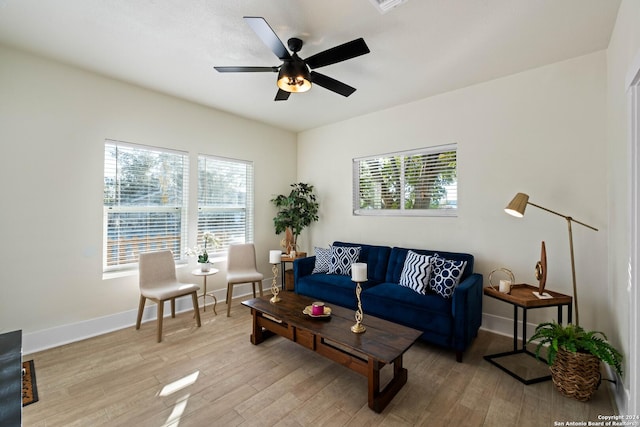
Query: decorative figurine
x,y
541,273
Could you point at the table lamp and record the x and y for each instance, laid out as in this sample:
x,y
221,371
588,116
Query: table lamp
x,y
517,207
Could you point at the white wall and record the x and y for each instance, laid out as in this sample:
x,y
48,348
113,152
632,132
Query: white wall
x,y
624,48
541,132
53,123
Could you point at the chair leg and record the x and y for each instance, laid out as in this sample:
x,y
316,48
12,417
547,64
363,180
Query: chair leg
x,y
253,286
160,315
260,285
173,308
196,309
140,310
229,293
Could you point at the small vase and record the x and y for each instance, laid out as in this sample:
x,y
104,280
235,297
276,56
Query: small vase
x,y
205,266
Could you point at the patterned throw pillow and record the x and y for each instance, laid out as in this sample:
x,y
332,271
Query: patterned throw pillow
x,y
415,272
341,259
445,275
323,260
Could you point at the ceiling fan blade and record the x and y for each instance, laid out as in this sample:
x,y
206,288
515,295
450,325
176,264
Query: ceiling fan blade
x,y
340,53
268,36
332,84
282,95
246,69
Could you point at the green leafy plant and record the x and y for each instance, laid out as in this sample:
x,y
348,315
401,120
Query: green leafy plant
x,y
296,211
575,339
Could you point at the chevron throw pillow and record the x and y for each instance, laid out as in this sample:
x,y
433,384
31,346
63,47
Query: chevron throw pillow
x,y
445,275
415,272
341,259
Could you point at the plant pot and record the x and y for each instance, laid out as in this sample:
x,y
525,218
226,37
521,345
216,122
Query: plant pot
x,y
205,266
576,375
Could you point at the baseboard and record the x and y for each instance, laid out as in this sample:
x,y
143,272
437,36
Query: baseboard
x,y
504,325
60,335
620,394
65,334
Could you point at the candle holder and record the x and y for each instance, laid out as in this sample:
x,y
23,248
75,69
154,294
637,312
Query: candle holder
x,y
274,259
358,275
358,328
275,290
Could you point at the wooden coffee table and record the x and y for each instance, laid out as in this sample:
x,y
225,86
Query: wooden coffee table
x,y
383,342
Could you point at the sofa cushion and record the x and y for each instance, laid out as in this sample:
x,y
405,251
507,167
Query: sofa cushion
x,y
402,305
331,289
376,258
341,259
323,260
445,275
415,273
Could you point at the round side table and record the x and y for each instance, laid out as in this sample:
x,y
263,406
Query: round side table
x,y
198,272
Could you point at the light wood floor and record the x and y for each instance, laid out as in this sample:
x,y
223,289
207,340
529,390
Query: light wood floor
x,y
213,376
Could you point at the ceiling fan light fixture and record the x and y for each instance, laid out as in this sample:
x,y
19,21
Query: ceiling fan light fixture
x,y
294,77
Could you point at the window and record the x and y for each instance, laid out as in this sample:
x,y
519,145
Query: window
x,y
145,202
225,200
420,182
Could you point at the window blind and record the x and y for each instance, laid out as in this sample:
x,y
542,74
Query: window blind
x,y
145,202
225,200
421,182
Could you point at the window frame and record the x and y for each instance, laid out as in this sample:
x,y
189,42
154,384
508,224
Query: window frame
x,y
402,210
182,208
248,210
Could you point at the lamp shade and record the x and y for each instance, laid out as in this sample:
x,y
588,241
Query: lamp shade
x,y
294,77
517,206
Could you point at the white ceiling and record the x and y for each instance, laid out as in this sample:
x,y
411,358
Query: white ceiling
x,y
419,49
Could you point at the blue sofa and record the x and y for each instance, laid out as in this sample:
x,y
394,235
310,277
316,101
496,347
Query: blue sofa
x,y
449,322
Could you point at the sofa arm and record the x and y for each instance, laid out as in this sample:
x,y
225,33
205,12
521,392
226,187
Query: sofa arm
x,y
467,311
303,267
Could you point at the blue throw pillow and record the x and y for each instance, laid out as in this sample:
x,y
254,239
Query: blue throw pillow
x,y
323,260
341,259
415,272
445,275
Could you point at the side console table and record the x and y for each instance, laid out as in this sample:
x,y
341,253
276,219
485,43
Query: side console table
x,y
198,272
522,296
283,265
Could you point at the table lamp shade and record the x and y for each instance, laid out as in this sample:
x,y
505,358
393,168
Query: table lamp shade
x,y
275,256
517,206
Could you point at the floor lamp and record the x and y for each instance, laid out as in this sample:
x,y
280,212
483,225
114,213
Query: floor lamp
x,y
517,207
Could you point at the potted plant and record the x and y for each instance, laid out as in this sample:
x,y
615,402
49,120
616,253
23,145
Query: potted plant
x,y
574,357
296,211
201,252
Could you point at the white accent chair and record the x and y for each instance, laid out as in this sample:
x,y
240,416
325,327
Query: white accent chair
x,y
158,283
241,268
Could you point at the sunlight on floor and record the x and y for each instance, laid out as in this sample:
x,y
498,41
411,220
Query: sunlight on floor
x,y
176,414
174,418
177,385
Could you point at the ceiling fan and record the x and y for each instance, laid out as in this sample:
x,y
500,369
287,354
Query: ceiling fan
x,y
293,73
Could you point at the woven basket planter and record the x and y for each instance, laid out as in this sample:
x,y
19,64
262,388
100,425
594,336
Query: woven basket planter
x,y
576,375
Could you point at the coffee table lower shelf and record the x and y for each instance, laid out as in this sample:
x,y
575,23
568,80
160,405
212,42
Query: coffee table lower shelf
x,y
368,365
